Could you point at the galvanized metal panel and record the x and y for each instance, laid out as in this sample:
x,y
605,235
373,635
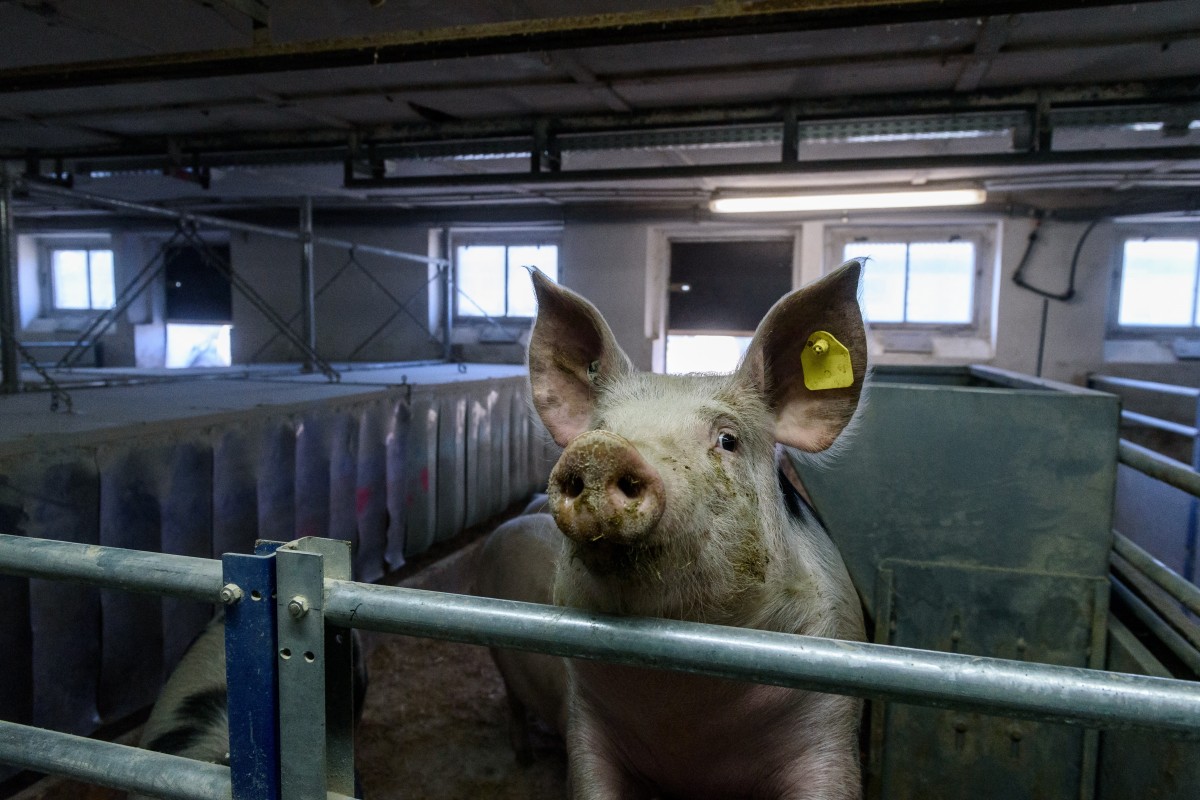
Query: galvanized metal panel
x,y
417,467
275,477
1136,765
371,491
1013,478
1038,617
451,462
313,444
187,530
65,618
343,475
235,500
520,483
131,633
480,486
400,426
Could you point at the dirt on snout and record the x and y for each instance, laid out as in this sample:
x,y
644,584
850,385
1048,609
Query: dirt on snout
x,y
435,726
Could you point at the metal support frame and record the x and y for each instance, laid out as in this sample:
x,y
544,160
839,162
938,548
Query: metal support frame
x,y
447,284
10,369
1188,594
252,673
38,187
316,713
260,303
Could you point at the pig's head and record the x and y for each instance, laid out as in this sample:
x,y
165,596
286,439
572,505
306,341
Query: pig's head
x,y
667,489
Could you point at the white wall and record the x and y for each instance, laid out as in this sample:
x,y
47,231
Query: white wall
x,y
623,269
609,265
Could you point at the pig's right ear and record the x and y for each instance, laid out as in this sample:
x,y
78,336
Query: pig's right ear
x,y
811,412
572,352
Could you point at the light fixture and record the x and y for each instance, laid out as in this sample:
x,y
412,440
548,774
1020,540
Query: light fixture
x,y
848,201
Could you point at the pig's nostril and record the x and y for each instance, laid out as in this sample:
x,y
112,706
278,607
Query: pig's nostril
x,y
629,486
572,485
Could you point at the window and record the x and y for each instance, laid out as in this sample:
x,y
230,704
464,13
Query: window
x,y
927,289
1159,285
930,282
81,279
491,278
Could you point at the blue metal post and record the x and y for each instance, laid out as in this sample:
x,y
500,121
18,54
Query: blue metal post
x,y
251,671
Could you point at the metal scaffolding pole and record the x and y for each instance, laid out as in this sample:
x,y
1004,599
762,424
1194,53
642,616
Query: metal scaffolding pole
x,y
308,301
10,368
204,220
446,285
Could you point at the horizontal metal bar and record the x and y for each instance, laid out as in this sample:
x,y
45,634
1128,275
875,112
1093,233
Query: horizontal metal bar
x,y
116,765
111,567
1168,470
1158,599
516,36
1113,382
1148,421
1178,587
86,198
990,685
1175,642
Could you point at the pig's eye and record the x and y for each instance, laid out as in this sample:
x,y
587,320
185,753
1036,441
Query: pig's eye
x,y
727,441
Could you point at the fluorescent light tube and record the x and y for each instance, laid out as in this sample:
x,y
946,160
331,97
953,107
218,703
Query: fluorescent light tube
x,y
848,201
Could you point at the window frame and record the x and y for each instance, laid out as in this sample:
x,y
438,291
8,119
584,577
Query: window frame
x,y
506,239
1122,233
47,246
982,236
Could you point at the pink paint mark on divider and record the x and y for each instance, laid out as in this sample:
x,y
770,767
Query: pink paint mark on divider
x,y
425,479
361,498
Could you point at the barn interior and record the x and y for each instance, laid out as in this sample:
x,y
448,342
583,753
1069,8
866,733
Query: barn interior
x,y
261,277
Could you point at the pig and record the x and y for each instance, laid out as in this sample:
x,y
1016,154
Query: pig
x,y
667,502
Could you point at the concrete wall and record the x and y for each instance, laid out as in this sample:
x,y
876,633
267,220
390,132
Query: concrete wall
x,y
610,265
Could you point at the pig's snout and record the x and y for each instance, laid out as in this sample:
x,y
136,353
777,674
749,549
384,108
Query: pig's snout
x,y
603,490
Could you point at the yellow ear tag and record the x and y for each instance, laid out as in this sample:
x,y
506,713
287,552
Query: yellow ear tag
x,y
826,363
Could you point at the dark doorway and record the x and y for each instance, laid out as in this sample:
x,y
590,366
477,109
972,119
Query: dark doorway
x,y
727,287
196,290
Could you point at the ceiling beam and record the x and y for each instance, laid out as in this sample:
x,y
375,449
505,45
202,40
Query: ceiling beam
x,y
1146,156
325,145
718,19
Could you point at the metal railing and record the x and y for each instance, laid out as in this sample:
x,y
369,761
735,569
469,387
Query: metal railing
x,y
313,592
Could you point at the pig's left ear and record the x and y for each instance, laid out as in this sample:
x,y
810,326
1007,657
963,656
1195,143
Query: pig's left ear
x,y
811,418
572,352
